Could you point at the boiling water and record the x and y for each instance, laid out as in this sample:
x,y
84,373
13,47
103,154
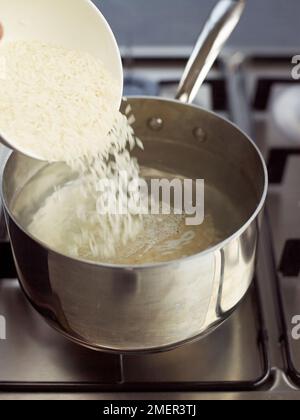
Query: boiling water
x,y
162,237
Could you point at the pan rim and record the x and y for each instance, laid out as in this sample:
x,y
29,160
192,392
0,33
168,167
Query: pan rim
x,y
165,264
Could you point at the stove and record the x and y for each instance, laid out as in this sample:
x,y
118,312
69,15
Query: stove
x,y
253,355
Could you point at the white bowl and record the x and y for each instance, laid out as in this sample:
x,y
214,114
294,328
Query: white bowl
x,y
73,24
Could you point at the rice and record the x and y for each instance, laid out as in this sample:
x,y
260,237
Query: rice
x,y
55,102
60,105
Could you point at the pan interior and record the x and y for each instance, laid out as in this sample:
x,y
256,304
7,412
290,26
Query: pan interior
x,y
223,157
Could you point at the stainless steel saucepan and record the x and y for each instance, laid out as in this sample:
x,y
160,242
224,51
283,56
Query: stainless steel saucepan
x,y
160,306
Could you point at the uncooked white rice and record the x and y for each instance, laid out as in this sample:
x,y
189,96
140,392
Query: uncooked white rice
x,y
60,105
55,102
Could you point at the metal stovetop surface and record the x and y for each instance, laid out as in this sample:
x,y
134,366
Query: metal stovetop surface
x,y
33,353
246,358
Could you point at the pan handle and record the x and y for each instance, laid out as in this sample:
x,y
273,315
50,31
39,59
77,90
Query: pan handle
x,y
220,25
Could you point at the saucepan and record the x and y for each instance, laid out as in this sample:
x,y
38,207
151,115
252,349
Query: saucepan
x,y
154,307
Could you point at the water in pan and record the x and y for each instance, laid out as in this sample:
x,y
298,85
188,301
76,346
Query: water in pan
x,y
163,237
